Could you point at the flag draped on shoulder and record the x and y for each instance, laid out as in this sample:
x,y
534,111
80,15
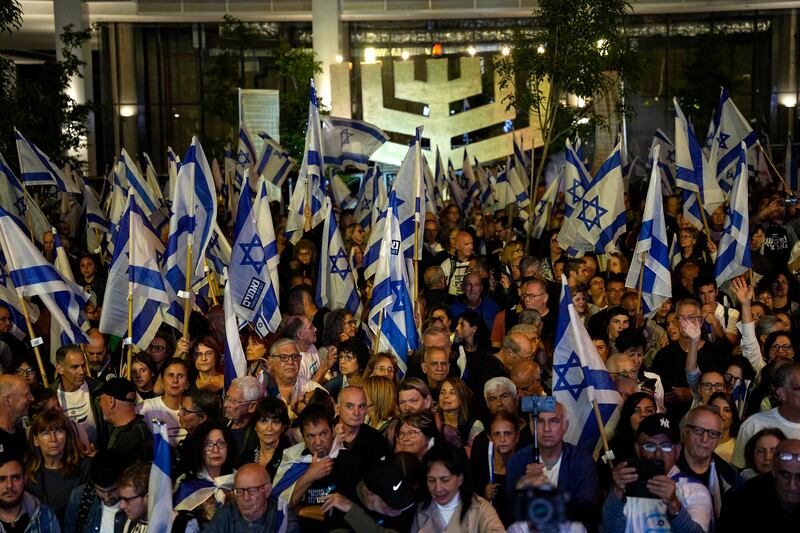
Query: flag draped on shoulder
x,y
392,313
305,206
159,488
194,210
336,283
350,142
32,275
730,129
733,256
580,379
693,172
652,248
37,169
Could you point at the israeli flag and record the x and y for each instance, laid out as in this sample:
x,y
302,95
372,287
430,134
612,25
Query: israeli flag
x,y
503,193
159,488
342,193
517,180
151,177
372,189
733,256
457,193
665,162
440,180
135,270
308,196
486,193
194,210
8,295
580,378
131,178
521,162
600,218
370,260
693,172
392,313
274,162
37,169
730,129
173,164
235,362
541,215
652,248
472,188
409,186
350,143
218,253
32,275
791,167
20,205
336,286
245,161
269,317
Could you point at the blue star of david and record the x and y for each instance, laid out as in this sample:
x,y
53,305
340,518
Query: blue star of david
x,y
562,381
20,205
576,191
213,242
3,277
345,136
722,139
340,255
399,304
598,213
366,204
541,208
159,258
671,156
52,193
249,260
243,158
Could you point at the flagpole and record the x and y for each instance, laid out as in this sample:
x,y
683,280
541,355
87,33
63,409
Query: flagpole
x,y
86,361
703,215
641,282
307,206
608,455
775,170
187,304
212,284
130,296
377,346
31,334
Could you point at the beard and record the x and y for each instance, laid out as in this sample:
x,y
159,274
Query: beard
x,y
10,504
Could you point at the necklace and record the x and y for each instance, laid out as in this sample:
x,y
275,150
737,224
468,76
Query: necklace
x,y
13,521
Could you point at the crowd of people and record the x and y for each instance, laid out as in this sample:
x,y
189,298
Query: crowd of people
x,y
325,433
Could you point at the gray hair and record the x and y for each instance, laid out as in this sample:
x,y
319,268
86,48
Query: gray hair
x,y
784,373
250,387
510,344
433,276
766,325
533,326
527,263
273,350
495,384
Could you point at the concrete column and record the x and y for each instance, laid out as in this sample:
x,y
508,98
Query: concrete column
x,y
126,103
784,97
76,12
326,31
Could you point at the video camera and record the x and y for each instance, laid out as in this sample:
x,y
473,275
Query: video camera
x,y
544,509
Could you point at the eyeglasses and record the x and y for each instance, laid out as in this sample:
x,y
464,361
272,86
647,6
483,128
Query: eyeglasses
x,y
250,491
205,355
631,373
387,369
347,357
412,433
730,379
128,499
781,347
228,399
532,296
697,430
707,386
652,447
294,357
23,372
220,445
788,456
156,348
184,411
51,433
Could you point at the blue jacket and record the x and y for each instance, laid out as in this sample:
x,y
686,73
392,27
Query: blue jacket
x,y
83,496
488,310
577,474
43,519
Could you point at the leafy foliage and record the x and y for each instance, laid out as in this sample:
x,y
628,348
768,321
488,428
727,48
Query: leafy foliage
x,y
296,66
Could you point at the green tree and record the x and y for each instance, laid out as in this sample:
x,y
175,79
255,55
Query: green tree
x,y
579,47
296,67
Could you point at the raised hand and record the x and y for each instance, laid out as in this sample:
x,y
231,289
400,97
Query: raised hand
x,y
690,328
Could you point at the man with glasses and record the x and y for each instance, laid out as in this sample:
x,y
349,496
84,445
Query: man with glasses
x,y
631,343
677,503
770,502
239,404
533,295
133,485
786,417
436,367
252,508
701,434
15,399
284,364
95,506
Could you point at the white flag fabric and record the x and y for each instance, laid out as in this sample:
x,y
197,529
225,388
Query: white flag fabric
x,y
235,361
733,257
8,295
248,275
19,205
159,488
410,188
336,284
350,142
730,129
269,317
37,169
131,178
372,188
652,248
665,162
342,193
245,161
274,162
544,207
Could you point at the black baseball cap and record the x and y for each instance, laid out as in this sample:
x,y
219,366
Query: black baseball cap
x,y
659,424
120,389
386,480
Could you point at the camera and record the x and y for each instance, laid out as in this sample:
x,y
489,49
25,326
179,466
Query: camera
x,y
543,508
538,404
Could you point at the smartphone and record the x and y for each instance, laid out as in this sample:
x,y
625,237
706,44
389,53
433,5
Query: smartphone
x,y
646,469
650,384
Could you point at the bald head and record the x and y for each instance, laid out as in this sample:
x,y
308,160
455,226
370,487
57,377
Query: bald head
x,y
15,398
527,376
10,383
249,478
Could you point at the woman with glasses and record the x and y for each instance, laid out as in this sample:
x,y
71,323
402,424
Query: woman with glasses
x,y
490,481
26,369
416,434
781,295
144,374
340,325
208,364
383,364
457,409
353,358
270,423
724,404
208,482
778,344
54,464
161,348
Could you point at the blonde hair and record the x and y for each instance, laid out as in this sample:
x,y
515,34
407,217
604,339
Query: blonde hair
x,y
381,392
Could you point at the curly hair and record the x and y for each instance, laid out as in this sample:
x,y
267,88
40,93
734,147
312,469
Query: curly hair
x,y
196,447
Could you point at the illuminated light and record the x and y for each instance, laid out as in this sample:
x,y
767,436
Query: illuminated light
x,y
176,115
370,55
581,102
788,100
602,45
505,50
405,55
339,58
471,50
436,50
584,120
540,49
127,110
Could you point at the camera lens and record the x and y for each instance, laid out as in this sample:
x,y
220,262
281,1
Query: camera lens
x,y
540,511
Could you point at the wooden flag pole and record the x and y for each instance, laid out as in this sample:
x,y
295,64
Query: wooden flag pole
x,y
187,304
307,206
212,283
377,346
703,215
32,336
775,170
641,281
86,361
608,455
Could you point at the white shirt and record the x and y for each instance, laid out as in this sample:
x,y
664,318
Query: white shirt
x,y
733,318
107,519
447,510
309,364
156,408
77,406
757,422
552,473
